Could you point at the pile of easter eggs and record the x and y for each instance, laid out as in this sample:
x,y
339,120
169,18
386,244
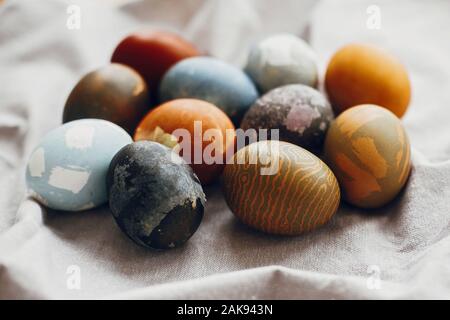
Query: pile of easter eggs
x,y
148,131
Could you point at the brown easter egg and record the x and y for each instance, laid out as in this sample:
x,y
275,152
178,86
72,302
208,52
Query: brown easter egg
x,y
280,188
364,74
368,150
198,130
114,92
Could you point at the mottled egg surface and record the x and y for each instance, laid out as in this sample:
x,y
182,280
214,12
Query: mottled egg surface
x,y
212,80
152,53
280,188
154,196
368,150
301,114
67,170
199,131
282,59
114,92
364,74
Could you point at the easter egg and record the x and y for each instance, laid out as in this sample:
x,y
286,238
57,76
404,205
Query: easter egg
x,y
212,80
67,170
280,60
197,130
154,196
115,93
369,152
280,188
300,114
152,53
364,74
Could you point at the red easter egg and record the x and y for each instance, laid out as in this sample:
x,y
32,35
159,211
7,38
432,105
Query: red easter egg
x,y
152,53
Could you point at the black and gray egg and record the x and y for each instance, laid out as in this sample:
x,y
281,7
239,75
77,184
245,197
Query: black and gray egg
x,y
154,196
301,114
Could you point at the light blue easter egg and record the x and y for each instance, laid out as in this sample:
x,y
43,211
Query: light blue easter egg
x,y
280,60
67,170
212,80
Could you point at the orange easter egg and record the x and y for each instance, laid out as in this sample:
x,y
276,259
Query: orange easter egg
x,y
368,150
364,74
197,130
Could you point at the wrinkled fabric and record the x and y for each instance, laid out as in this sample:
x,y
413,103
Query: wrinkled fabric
x,y
399,251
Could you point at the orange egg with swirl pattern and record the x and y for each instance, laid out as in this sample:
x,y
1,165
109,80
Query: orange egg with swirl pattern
x,y
280,188
369,152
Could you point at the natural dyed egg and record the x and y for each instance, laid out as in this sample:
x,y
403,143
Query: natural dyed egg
x,y
197,130
211,80
282,59
369,152
364,74
115,93
152,53
154,196
280,188
67,170
300,113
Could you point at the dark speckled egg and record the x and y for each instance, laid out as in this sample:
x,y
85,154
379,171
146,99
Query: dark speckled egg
x,y
301,114
154,196
114,92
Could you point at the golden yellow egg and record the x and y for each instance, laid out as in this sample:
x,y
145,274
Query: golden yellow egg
x,y
280,188
360,74
368,150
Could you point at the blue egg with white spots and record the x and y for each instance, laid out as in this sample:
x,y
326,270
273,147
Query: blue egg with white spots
x,y
67,170
212,80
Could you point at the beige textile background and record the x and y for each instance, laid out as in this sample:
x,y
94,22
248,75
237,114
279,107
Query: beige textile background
x,y
405,245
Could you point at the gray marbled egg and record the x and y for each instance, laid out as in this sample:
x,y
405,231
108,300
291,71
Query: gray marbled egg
x,y
282,59
154,196
301,114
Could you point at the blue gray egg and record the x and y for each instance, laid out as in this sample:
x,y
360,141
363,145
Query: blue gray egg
x,y
67,170
212,80
280,60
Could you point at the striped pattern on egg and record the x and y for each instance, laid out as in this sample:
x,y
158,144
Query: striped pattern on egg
x,y
280,188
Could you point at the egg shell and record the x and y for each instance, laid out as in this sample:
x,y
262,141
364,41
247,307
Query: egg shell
x,y
369,152
301,114
364,74
296,193
152,53
67,170
161,122
114,92
154,196
280,60
212,80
